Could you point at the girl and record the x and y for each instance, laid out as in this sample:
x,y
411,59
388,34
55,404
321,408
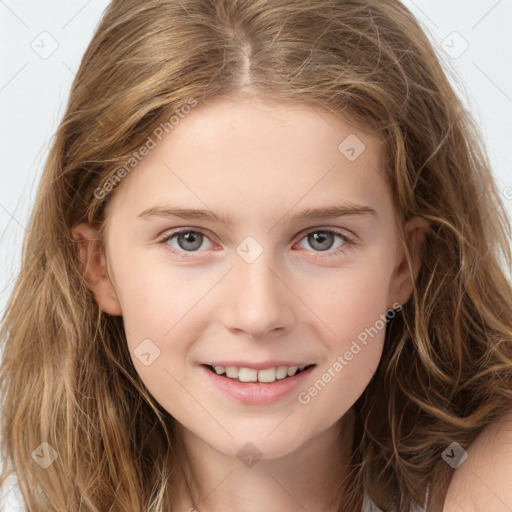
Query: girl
x,y
263,272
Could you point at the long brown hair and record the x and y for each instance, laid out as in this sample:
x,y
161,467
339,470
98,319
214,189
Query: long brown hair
x,y
446,372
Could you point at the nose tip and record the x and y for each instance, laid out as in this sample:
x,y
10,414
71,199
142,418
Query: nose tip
x,y
258,302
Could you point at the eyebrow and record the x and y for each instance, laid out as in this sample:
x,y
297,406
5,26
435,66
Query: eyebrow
x,y
327,212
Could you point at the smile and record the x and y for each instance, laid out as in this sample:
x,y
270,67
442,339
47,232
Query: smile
x,y
269,383
265,375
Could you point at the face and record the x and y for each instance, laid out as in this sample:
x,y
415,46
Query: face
x,y
293,264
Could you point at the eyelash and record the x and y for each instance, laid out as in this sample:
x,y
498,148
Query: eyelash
x,y
348,242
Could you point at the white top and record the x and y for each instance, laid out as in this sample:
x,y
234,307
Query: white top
x,y
369,506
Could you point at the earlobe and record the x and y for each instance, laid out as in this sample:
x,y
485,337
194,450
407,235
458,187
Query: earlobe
x,y
94,268
415,231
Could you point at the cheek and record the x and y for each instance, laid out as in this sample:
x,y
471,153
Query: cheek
x,y
154,294
356,320
358,325
158,305
351,298
341,381
162,317
353,307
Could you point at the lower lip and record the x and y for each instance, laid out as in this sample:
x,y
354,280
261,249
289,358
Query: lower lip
x,y
257,393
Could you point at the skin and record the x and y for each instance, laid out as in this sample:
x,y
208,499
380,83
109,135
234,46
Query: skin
x,y
482,483
260,163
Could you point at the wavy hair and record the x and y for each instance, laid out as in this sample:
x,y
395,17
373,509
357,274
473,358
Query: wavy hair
x,y
446,371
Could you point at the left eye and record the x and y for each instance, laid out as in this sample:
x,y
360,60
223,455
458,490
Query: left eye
x,y
321,240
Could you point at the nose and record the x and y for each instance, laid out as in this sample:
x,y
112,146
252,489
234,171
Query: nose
x,y
258,300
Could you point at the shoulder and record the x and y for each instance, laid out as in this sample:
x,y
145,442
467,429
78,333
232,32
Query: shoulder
x,y
483,482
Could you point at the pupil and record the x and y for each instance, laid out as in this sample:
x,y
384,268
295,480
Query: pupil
x,y
321,238
190,238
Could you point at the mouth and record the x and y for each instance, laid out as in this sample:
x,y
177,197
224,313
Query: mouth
x,y
260,385
264,376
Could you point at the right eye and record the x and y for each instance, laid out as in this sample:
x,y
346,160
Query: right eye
x,y
187,240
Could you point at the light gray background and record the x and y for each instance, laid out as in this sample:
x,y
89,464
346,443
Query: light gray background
x,y
34,88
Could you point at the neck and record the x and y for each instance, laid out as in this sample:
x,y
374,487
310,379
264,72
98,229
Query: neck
x,y
306,478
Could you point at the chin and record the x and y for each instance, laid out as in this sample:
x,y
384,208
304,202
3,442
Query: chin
x,y
260,445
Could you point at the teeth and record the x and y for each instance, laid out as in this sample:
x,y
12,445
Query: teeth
x,y
292,370
232,372
252,375
267,375
248,375
281,372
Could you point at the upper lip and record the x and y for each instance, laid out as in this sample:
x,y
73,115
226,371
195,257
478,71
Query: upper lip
x,y
257,366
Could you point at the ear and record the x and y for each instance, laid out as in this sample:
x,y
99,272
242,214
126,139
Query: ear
x,y
94,266
402,282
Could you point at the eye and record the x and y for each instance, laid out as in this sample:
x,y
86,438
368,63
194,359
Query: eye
x,y
187,240
322,240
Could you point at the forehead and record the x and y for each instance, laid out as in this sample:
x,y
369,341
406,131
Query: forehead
x,y
257,156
